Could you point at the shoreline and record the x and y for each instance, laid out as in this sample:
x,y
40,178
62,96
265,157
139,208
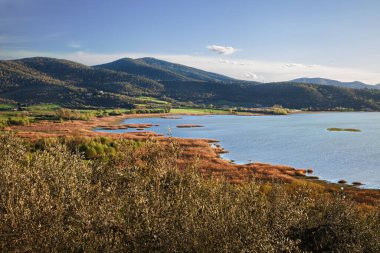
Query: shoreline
x,y
308,176
208,155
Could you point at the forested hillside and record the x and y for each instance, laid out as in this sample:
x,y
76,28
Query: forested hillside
x,y
35,80
291,95
48,80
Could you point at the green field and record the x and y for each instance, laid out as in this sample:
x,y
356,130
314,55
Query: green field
x,y
152,100
198,111
43,107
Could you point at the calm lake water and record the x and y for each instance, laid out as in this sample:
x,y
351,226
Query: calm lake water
x,y
299,140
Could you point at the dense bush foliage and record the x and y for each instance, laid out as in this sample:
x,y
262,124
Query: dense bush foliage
x,y
51,199
150,110
67,114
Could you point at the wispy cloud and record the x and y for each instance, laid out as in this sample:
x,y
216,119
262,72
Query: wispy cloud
x,y
16,39
258,70
228,61
222,49
11,39
251,75
298,65
74,45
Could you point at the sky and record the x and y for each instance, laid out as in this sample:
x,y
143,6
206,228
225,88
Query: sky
x,y
260,40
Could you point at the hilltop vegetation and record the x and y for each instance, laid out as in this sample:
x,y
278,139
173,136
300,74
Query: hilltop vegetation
x,y
130,196
123,82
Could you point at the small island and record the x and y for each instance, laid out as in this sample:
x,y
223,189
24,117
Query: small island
x,y
188,126
335,129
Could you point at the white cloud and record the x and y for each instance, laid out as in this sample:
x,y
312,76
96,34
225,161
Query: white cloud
x,y
265,71
294,65
222,49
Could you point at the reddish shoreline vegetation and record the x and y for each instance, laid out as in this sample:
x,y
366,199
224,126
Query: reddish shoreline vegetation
x,y
65,187
207,155
126,126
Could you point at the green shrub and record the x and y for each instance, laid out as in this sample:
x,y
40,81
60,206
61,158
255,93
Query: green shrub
x,y
67,114
279,110
3,124
18,121
115,113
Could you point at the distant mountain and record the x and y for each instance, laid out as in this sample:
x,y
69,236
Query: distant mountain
x,y
287,94
323,81
49,80
162,70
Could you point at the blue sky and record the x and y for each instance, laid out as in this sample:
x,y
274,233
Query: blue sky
x,y
269,40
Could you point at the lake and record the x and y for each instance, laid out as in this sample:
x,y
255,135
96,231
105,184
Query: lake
x,y
298,140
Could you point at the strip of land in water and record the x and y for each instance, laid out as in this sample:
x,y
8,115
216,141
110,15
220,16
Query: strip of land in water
x,y
335,129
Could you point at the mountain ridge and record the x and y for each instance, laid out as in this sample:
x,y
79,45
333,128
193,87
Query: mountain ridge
x,y
136,67
186,70
160,70
49,80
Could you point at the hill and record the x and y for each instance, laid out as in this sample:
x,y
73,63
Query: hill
x,y
48,80
34,80
162,70
323,81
